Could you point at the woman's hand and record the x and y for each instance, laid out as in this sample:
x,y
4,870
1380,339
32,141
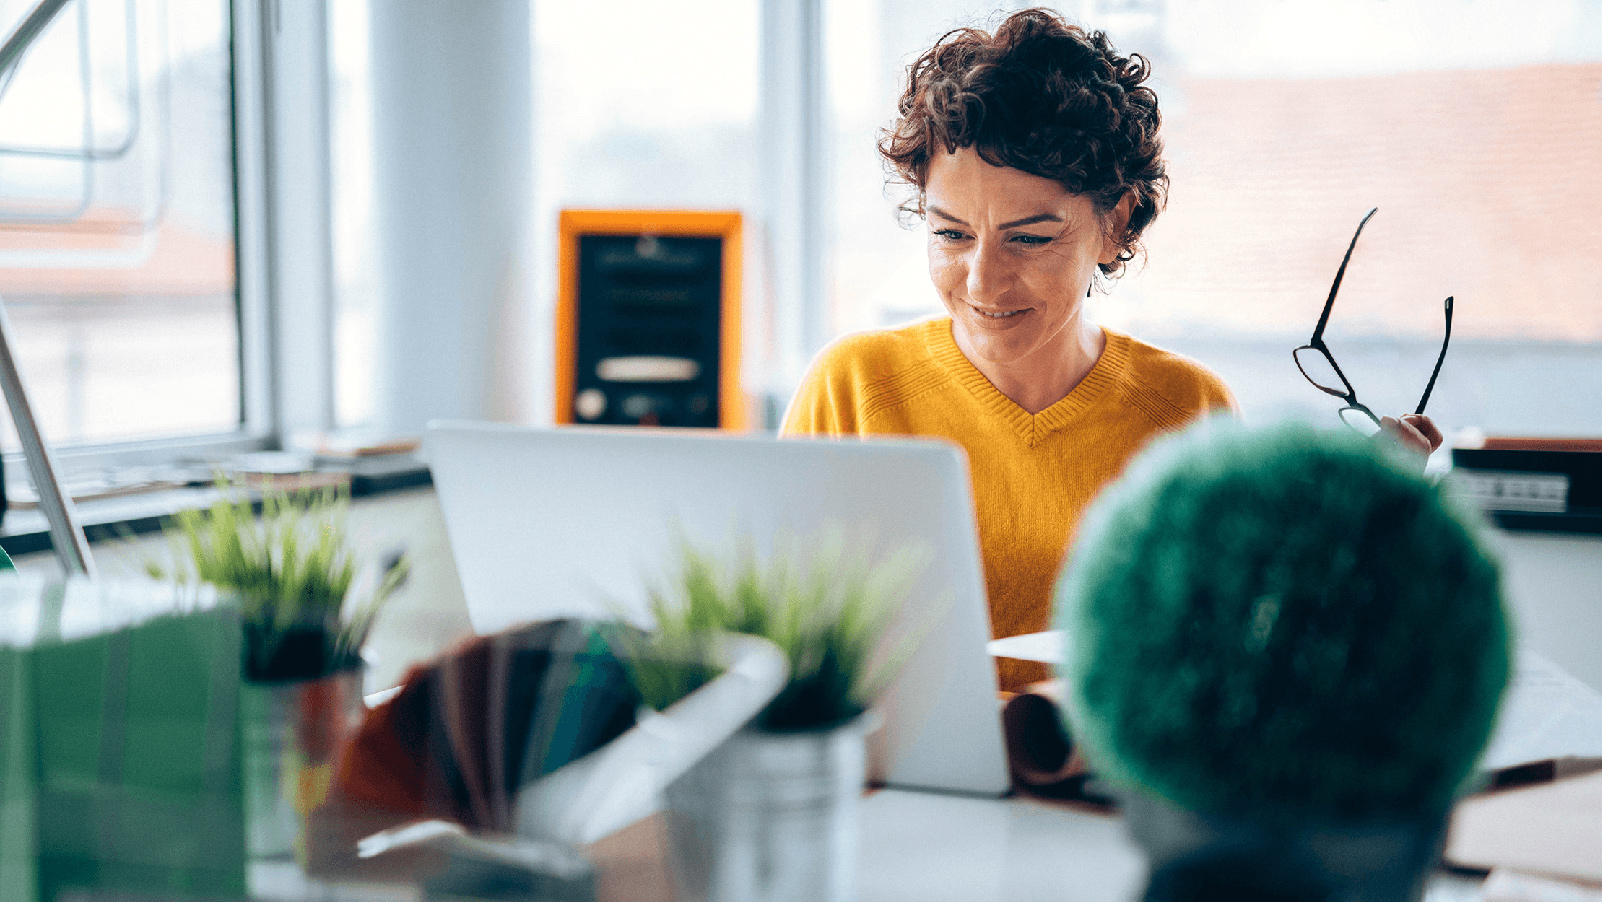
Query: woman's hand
x,y
1414,432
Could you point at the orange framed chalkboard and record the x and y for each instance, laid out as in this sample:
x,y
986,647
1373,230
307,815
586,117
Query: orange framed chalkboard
x,y
648,318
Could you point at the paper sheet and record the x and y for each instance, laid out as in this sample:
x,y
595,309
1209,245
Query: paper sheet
x,y
1547,715
1550,829
1045,647
1512,886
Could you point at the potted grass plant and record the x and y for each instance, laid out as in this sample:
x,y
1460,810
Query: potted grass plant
x,y
772,812
305,614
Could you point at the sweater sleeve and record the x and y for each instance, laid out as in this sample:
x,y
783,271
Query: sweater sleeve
x,y
825,402
1222,401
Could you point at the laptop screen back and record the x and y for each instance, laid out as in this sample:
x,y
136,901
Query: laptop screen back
x,y
574,522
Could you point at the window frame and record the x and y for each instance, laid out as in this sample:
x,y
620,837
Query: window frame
x,y
274,339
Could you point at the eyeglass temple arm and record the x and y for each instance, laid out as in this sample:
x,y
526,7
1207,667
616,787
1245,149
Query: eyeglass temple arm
x,y
1438,360
1323,318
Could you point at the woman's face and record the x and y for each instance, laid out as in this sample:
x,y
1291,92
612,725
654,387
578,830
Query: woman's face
x,y
1012,255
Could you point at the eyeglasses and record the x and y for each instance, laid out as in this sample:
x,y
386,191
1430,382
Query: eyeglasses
x,y
1319,366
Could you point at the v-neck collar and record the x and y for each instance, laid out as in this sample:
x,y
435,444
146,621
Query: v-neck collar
x,y
1109,368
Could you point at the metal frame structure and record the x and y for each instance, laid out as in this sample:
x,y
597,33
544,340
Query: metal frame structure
x,y
66,534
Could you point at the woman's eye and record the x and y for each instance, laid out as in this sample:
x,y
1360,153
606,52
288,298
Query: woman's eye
x,y
948,234
1031,239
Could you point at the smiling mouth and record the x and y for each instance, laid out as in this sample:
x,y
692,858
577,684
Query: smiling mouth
x,y
1005,314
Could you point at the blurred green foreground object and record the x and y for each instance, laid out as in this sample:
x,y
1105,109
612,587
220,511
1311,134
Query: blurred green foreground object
x,y
1283,621
119,742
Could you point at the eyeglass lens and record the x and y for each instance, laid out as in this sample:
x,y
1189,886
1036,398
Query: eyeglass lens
x,y
1360,419
1315,365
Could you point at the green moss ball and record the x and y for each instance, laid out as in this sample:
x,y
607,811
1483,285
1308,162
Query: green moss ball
x,y
1282,619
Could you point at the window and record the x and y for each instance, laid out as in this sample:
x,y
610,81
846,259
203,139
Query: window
x,y
1474,126
117,222
878,272
351,186
636,104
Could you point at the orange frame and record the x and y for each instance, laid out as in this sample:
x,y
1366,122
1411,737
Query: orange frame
x,y
725,224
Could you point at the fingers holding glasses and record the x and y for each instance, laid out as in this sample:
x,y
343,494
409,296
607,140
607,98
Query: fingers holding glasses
x,y
1414,432
1426,427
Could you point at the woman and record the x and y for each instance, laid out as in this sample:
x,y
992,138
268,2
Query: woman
x,y
1034,156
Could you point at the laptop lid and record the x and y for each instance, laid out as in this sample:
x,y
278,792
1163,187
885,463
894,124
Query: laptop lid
x,y
577,522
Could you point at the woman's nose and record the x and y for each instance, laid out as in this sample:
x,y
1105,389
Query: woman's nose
x,y
987,273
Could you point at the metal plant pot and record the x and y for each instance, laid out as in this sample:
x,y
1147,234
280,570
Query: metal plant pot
x,y
1197,856
294,731
770,816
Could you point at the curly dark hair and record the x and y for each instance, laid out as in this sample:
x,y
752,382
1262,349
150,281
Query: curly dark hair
x,y
1043,96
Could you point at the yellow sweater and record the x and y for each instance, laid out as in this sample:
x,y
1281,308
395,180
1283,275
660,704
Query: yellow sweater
x,y
1032,474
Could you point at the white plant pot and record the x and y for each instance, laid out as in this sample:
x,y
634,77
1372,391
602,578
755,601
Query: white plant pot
x,y
770,816
293,733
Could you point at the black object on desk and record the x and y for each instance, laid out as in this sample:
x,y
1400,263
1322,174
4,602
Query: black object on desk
x,y
1533,489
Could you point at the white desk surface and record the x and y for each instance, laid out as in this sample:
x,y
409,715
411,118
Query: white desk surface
x,y
932,848
913,846
927,847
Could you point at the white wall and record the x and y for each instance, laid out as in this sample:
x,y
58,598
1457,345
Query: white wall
x,y
1554,584
452,191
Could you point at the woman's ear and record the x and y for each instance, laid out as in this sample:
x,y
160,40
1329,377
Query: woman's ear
x,y
1117,222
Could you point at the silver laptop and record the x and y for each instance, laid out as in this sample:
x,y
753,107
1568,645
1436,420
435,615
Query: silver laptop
x,y
576,522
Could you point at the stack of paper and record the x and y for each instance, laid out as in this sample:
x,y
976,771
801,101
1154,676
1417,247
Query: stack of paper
x,y
1552,829
1548,715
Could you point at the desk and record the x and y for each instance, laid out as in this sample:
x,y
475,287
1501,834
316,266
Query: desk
x,y
922,847
931,847
926,847
913,847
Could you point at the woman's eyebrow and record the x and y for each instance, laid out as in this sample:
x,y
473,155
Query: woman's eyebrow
x,y
1031,220
1027,220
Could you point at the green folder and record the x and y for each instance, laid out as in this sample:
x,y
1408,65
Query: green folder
x,y
120,758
